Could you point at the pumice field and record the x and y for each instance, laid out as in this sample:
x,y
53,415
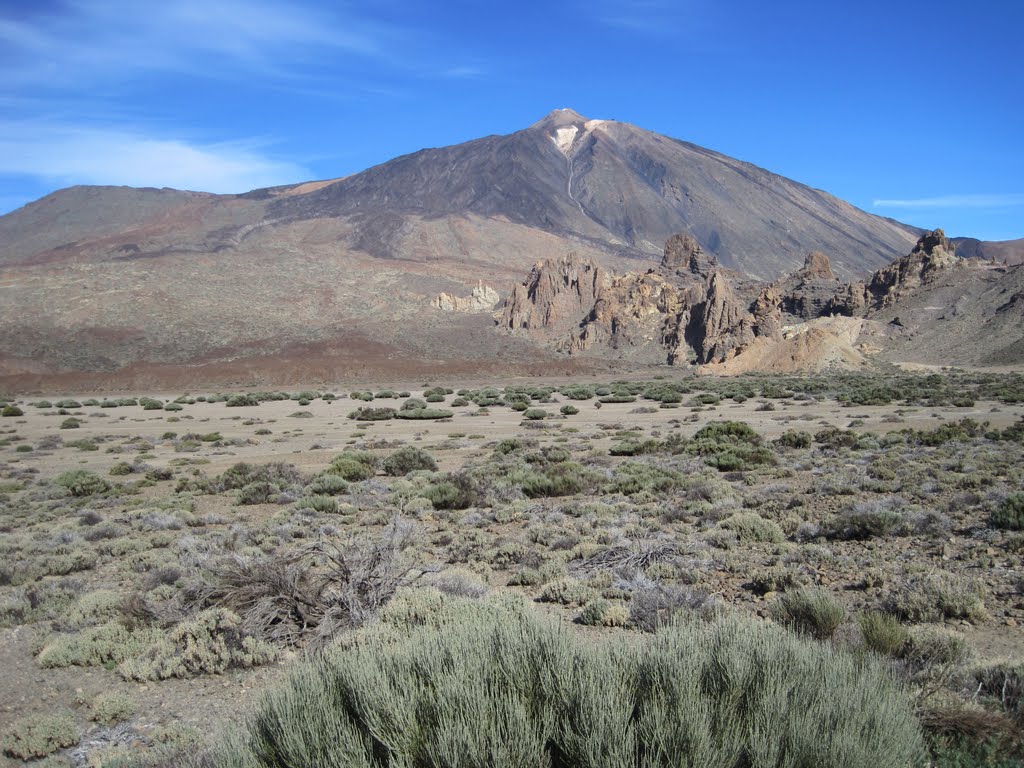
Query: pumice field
x,y
758,570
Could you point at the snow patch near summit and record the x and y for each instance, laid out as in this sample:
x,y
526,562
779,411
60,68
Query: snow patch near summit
x,y
564,137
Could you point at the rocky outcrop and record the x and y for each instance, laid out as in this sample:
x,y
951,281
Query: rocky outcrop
x,y
556,297
686,310
689,309
807,293
725,325
817,267
482,299
683,253
932,254
849,301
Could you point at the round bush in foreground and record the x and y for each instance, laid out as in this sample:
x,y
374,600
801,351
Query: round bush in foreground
x,y
446,681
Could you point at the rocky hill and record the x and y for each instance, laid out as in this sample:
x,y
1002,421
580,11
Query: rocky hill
x,y
929,307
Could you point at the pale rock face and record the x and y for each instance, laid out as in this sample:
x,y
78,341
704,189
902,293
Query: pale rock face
x,y
564,137
483,299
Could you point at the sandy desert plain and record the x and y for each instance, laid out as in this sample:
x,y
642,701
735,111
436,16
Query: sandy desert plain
x,y
167,559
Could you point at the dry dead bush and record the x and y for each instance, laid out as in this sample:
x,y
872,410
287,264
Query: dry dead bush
x,y
307,595
635,556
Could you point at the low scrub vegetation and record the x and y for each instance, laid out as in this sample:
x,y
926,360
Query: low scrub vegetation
x,y
491,684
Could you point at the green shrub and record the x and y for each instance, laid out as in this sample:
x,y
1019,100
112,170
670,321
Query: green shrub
x,y
424,413
241,401
864,520
70,423
792,438
40,735
260,492
351,469
750,526
408,459
883,634
1009,515
210,643
111,708
777,579
329,484
809,611
936,596
535,414
488,683
567,592
318,502
618,397
103,645
566,478
372,414
278,474
634,477
11,410
604,613
835,438
568,410
80,482
730,446
454,491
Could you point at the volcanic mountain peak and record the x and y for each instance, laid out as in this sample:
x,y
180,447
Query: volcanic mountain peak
x,y
560,118
345,261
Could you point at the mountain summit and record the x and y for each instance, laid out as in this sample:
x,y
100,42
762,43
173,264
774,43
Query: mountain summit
x,y
617,186
309,280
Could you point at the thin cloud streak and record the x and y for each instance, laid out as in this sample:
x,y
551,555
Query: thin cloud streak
x,y
955,201
120,39
69,155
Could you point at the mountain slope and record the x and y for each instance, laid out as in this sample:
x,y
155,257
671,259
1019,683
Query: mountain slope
x,y
123,282
614,183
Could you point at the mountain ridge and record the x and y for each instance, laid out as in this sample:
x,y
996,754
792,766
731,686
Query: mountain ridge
x,y
98,280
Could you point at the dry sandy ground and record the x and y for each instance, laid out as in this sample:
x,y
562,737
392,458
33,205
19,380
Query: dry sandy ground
x,y
310,442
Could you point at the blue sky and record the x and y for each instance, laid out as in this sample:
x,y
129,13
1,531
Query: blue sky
x,y
912,109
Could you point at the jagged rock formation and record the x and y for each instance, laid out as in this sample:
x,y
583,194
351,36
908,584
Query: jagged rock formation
x,y
555,297
691,310
688,309
482,299
932,254
684,253
806,293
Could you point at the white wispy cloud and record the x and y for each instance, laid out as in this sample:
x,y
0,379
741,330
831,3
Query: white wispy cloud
x,y
120,38
463,73
955,201
646,17
70,155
